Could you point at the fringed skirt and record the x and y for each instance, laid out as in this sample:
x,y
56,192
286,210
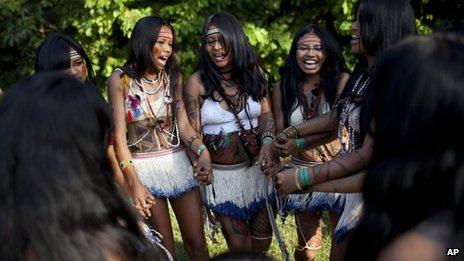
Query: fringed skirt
x,y
238,191
347,206
166,173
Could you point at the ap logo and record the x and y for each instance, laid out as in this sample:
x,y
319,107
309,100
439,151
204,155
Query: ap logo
x,y
452,251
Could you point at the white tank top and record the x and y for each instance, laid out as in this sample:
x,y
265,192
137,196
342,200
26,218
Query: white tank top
x,y
214,119
296,117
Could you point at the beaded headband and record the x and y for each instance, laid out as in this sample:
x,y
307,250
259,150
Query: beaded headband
x,y
213,30
166,34
309,38
73,54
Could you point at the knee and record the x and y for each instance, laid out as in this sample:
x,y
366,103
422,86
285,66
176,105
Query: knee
x,y
305,254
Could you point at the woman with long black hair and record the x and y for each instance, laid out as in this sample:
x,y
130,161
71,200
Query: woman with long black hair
x,y
378,25
312,80
150,122
413,190
227,100
58,200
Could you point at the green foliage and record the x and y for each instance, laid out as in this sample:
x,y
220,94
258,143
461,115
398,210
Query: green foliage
x,y
104,26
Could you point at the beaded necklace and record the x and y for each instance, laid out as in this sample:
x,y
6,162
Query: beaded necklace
x,y
164,82
348,106
309,110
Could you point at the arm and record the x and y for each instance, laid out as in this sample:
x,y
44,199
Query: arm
x,y
266,124
142,199
277,107
191,138
339,167
350,184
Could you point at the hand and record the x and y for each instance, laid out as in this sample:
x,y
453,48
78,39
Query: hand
x,y
266,160
142,199
203,171
285,145
285,181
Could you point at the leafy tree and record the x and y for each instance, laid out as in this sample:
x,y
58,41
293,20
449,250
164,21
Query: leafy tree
x,y
104,26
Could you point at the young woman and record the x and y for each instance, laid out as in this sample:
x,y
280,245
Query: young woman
x,y
58,200
413,187
59,52
150,122
226,100
312,79
378,25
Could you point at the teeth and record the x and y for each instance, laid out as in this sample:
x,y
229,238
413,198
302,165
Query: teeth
x,y
310,62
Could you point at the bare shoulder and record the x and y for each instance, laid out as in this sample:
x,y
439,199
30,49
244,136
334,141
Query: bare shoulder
x,y
194,84
114,81
412,246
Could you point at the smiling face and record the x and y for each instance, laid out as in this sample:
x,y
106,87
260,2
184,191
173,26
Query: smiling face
x,y
357,46
310,53
162,48
216,49
77,66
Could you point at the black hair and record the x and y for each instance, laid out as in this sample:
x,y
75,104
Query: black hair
x,y
291,74
53,54
382,23
139,57
58,200
418,152
248,70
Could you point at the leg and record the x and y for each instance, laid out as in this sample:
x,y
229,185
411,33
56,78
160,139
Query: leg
x,y
336,249
189,217
261,230
161,222
309,232
236,232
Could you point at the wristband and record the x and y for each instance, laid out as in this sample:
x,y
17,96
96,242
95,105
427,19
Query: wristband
x,y
300,144
125,163
266,140
304,176
201,149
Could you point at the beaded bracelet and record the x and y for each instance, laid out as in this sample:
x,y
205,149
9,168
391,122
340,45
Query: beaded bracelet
x,y
297,182
266,140
304,176
125,163
201,149
300,144
291,132
267,134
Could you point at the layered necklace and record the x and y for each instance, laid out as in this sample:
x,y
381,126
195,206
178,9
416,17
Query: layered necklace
x,y
348,106
161,82
309,110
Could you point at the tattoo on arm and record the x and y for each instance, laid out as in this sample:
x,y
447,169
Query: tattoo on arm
x,y
361,158
191,140
191,108
268,123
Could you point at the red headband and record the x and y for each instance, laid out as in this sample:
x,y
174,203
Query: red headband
x,y
310,38
166,34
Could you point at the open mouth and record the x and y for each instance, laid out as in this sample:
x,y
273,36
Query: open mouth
x,y
219,56
354,39
310,64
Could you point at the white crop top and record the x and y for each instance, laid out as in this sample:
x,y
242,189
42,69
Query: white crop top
x,y
214,119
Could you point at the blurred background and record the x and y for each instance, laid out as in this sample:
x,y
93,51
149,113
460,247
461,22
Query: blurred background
x,y
103,27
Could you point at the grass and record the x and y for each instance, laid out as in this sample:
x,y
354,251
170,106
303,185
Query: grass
x,y
287,229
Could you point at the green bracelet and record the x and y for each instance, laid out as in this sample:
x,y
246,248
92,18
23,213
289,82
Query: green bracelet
x,y
201,149
299,144
304,176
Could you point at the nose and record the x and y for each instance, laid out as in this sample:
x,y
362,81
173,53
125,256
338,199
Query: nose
x,y
354,27
217,45
167,48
